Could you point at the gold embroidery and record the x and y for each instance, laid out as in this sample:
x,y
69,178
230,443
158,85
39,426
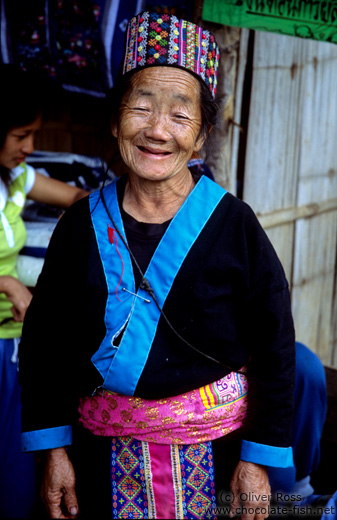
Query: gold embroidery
x,y
193,429
112,403
165,433
151,439
136,402
118,428
202,438
194,433
168,420
176,440
225,431
162,401
141,425
105,416
126,416
177,407
216,426
152,413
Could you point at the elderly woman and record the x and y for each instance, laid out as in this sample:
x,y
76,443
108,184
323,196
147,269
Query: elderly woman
x,y
161,296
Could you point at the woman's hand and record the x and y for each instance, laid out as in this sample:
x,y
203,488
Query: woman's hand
x,y
58,486
17,294
251,491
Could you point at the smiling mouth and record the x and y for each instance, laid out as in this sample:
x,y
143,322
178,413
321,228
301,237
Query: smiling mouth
x,y
152,151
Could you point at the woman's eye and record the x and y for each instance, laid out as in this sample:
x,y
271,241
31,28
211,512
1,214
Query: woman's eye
x,y
181,117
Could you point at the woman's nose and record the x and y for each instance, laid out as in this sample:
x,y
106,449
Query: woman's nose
x,y
157,129
28,145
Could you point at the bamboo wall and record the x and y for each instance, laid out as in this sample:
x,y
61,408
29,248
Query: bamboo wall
x,y
290,173
279,116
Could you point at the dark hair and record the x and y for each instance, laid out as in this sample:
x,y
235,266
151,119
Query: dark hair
x,y
209,107
23,98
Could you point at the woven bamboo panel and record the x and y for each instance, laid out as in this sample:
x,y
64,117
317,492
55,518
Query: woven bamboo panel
x,y
290,175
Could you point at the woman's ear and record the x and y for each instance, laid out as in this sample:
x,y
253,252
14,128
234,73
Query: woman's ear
x,y
114,128
201,139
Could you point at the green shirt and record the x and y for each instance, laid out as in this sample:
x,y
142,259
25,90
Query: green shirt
x,y
12,237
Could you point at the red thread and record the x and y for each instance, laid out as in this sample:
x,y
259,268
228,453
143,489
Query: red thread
x,y
113,238
111,234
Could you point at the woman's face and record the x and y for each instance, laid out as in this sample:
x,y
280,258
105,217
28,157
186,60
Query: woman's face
x,y
19,143
159,123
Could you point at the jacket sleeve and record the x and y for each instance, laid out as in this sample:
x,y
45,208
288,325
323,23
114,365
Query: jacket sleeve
x,y
268,331
53,334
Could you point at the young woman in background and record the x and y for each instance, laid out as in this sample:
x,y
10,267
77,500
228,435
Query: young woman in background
x,y
23,101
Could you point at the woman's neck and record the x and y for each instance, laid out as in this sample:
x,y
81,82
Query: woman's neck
x,y
156,202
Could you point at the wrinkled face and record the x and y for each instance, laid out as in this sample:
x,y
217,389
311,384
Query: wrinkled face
x,y
159,123
19,143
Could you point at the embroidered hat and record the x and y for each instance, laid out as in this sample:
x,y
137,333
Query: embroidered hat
x,y
154,39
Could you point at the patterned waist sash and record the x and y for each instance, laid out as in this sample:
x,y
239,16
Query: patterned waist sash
x,y
200,415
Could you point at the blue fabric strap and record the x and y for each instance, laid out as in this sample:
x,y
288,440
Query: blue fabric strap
x,y
130,358
117,265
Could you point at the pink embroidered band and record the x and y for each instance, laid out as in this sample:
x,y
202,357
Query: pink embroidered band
x,y
204,414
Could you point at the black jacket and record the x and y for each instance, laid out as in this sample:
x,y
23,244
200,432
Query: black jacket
x,y
230,299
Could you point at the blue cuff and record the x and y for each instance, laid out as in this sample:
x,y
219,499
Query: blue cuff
x,y
267,455
46,439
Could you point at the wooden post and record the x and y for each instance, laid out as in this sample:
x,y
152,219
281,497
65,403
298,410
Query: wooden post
x,y
219,147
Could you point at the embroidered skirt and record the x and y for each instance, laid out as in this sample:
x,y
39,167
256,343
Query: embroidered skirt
x,y
120,477
152,480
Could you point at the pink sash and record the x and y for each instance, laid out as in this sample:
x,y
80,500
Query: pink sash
x,y
201,415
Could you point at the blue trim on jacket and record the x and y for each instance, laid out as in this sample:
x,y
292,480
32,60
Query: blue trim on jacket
x,y
266,455
46,439
117,264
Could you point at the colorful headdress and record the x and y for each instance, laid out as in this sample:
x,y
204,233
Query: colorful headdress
x,y
154,39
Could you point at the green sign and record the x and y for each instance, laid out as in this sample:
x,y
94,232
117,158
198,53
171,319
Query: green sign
x,y
315,19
